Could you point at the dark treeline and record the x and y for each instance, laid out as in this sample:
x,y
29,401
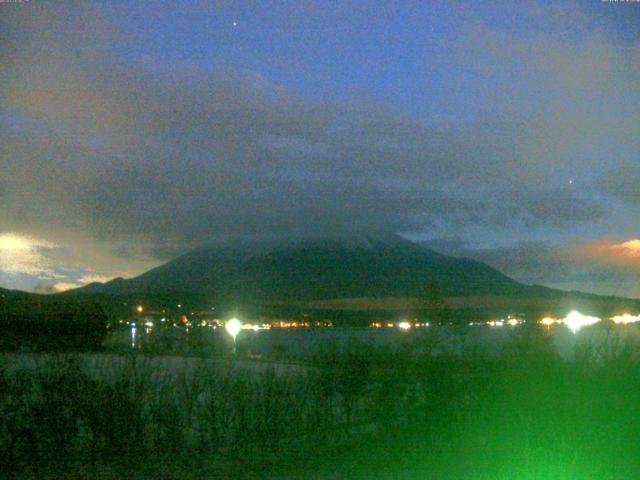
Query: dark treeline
x,y
521,413
50,323
435,311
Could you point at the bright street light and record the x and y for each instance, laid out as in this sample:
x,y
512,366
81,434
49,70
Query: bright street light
x,y
576,321
233,328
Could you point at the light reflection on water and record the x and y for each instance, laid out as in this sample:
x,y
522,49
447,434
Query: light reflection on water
x,y
435,340
303,341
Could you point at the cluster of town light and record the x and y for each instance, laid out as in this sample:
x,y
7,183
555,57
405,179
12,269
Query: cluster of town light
x,y
575,321
625,319
548,321
403,325
511,321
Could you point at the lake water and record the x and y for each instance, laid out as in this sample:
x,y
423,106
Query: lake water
x,y
434,340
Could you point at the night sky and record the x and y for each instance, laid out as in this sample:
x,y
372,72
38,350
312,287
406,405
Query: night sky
x,y
131,132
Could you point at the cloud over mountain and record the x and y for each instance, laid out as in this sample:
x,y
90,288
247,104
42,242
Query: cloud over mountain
x,y
110,146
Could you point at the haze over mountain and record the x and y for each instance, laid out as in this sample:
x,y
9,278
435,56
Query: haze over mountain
x,y
507,130
320,268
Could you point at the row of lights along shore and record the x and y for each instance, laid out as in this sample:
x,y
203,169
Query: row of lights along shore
x,y
574,321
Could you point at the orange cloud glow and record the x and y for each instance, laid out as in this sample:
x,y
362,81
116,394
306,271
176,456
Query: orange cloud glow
x,y
610,253
631,247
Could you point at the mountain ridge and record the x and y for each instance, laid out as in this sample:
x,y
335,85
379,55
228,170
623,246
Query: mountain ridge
x,y
319,268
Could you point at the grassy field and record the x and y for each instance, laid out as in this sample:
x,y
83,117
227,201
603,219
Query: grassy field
x,y
522,412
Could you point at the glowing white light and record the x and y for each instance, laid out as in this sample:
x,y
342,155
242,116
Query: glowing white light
x,y
626,318
404,325
513,322
233,327
576,321
148,324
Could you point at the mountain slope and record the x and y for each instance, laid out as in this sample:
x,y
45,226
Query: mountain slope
x,y
14,294
318,269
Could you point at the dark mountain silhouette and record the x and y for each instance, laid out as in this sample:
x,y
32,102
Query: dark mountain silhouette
x,y
372,266
13,294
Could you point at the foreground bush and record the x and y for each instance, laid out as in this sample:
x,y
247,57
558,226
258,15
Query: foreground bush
x,y
522,413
